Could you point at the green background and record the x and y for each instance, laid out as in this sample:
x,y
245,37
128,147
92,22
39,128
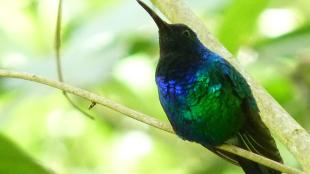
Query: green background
x,y
111,47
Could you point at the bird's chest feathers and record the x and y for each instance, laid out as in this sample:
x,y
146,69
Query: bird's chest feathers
x,y
200,105
185,95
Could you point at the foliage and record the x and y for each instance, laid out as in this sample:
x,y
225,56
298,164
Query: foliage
x,y
105,52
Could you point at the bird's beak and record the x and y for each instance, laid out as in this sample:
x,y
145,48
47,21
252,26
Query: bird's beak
x,y
162,25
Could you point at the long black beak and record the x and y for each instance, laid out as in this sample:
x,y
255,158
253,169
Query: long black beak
x,y
162,25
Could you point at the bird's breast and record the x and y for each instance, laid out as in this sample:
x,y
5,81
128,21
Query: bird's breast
x,y
199,107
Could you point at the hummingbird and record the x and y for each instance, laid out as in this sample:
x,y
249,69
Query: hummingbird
x,y
206,99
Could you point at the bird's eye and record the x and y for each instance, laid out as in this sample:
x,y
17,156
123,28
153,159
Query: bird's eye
x,y
186,33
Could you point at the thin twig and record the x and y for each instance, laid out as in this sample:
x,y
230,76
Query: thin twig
x,y
58,41
142,117
58,59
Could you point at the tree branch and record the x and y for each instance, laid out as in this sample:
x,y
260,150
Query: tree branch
x,y
57,46
273,115
142,117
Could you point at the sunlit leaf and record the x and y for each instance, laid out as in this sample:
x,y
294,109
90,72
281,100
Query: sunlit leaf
x,y
14,161
239,22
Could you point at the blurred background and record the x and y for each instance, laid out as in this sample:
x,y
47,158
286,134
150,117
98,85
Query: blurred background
x,y
111,47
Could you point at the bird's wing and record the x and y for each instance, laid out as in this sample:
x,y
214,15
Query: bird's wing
x,y
255,133
254,136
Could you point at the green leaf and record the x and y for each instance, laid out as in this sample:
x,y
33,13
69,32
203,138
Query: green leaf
x,y
13,160
239,22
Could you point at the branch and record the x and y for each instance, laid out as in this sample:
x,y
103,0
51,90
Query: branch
x,y
142,117
58,41
273,115
57,45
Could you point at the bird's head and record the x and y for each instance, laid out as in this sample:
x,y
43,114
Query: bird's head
x,y
174,37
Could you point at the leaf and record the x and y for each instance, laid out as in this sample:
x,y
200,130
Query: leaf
x,y
239,22
13,160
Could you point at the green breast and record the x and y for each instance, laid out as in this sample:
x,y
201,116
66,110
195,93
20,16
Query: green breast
x,y
200,109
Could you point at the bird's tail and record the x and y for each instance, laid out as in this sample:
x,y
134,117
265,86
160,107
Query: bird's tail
x,y
256,137
250,167
247,142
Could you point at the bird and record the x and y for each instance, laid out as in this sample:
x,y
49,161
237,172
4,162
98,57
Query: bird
x,y
206,99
